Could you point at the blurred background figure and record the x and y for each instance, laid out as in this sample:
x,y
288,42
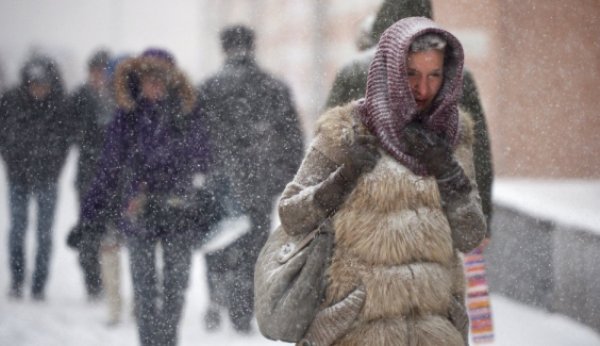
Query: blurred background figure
x,y
91,109
258,141
364,41
350,84
2,77
34,145
152,151
111,244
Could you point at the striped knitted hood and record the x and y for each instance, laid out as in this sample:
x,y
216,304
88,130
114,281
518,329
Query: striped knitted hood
x,y
389,104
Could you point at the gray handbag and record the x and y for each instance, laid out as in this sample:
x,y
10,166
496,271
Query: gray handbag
x,y
289,281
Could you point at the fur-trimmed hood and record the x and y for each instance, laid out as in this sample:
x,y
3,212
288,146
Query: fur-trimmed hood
x,y
129,74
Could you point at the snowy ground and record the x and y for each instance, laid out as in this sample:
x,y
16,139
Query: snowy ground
x,y
66,318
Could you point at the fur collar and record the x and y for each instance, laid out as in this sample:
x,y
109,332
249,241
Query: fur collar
x,y
131,70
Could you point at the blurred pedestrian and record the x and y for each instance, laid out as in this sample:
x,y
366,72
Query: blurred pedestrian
x,y
258,142
350,84
153,147
34,144
91,108
394,174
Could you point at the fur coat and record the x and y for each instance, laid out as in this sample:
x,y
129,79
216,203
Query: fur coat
x,y
393,235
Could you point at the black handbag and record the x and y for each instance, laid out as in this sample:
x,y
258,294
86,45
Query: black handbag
x,y
289,281
195,212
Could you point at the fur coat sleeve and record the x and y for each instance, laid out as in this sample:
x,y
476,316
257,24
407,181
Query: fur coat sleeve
x,y
298,211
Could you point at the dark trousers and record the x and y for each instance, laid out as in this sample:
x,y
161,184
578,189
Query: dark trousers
x,y
230,271
159,303
89,261
46,202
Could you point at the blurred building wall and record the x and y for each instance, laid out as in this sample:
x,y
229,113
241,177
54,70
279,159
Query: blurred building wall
x,y
539,78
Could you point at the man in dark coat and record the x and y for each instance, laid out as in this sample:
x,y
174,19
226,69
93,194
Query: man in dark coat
x,y
91,107
258,141
34,145
350,84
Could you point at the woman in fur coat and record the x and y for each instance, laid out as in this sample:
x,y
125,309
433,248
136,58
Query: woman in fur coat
x,y
394,172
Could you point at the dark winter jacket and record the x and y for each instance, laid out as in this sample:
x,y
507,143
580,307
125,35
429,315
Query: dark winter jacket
x,y
34,134
90,114
482,152
351,81
151,148
254,129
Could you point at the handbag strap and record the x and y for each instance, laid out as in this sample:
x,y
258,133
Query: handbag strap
x,y
290,249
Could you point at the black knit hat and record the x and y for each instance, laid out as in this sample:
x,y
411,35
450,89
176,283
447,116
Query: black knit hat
x,y
100,59
392,11
237,36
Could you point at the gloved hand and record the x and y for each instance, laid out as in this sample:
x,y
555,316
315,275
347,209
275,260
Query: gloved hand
x,y
361,157
435,153
85,236
333,322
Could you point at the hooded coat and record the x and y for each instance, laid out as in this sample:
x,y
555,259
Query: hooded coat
x,y
34,134
351,81
151,148
394,234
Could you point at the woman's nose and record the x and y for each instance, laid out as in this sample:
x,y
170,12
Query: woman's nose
x,y
420,88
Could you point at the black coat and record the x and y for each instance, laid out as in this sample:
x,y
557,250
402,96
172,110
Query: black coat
x,y
34,137
254,129
90,115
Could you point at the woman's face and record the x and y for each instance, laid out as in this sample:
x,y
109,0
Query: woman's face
x,y
153,89
425,76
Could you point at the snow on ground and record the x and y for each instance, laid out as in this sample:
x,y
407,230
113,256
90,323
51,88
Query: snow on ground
x,y
67,319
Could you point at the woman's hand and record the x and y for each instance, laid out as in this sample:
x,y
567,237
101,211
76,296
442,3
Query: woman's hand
x,y
435,153
431,149
361,157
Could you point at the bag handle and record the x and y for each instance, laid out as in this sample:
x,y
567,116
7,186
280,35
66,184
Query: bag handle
x,y
290,249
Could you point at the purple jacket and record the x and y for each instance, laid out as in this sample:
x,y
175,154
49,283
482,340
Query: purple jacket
x,y
156,147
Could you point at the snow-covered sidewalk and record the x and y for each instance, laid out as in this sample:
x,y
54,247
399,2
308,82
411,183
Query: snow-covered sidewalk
x,y
66,318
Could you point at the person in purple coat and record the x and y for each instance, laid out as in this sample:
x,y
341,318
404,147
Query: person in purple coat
x,y
152,149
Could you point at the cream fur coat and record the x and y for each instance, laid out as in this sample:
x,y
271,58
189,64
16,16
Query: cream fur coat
x,y
394,235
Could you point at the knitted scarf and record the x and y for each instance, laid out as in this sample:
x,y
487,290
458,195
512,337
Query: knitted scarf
x,y
389,104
